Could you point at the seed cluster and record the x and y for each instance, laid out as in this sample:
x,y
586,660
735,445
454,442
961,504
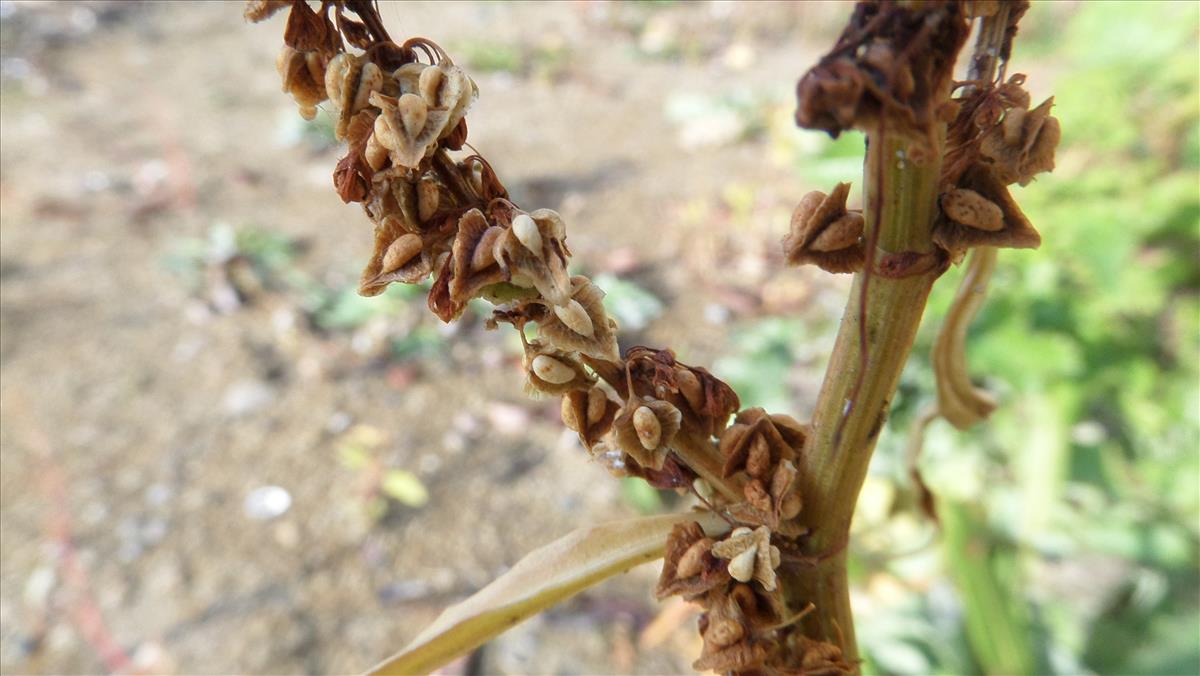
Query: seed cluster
x,y
439,212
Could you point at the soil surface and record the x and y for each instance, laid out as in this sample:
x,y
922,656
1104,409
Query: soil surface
x,y
195,440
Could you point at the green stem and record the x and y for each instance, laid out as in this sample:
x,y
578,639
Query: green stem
x,y
850,410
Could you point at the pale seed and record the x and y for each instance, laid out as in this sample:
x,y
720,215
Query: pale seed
x,y
400,252
741,567
375,153
692,561
649,430
413,112
576,318
552,370
528,234
597,403
369,80
972,210
704,489
429,83
568,415
483,255
428,197
690,387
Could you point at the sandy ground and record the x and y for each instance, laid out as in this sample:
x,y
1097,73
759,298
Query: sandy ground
x,y
144,412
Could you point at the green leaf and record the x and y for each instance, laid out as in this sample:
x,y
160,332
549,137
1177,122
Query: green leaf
x,y
545,576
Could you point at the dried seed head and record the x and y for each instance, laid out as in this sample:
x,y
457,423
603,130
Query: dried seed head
x,y
528,234
552,370
972,209
399,252
649,430
575,317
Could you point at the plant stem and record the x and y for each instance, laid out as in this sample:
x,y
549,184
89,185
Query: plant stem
x,y
836,464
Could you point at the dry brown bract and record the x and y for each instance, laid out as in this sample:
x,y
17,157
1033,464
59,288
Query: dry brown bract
x,y
551,371
349,82
590,414
534,253
824,233
1015,230
773,504
706,401
735,639
582,324
1023,144
689,568
757,442
303,75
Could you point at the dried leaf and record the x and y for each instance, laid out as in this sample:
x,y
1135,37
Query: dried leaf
x,y
545,576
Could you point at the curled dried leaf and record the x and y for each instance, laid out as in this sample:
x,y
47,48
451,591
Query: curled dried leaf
x,y
261,10
958,399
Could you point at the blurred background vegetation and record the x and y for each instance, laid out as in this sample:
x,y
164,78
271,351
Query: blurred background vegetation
x,y
264,460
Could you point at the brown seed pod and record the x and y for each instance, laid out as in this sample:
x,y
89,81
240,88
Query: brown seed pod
x,y
474,266
553,372
534,252
399,257
602,343
407,127
774,504
645,428
757,442
589,413
303,75
689,568
349,82
825,234
1023,144
1015,232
